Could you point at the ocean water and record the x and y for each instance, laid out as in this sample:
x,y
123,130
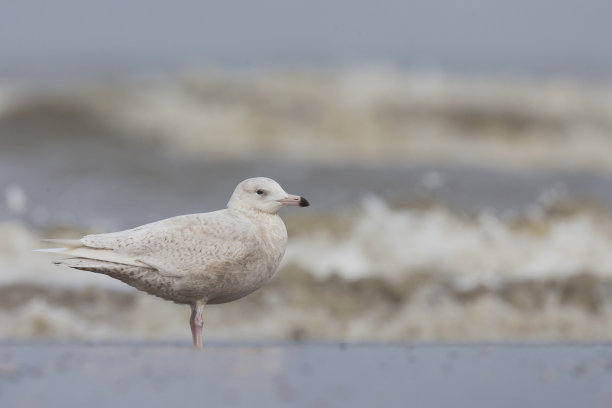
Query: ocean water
x,y
444,207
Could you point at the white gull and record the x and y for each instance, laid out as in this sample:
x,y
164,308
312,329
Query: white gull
x,y
195,259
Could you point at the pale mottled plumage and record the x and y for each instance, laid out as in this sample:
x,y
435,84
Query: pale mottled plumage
x,y
195,259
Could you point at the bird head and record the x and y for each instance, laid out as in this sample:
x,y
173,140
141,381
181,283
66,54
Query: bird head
x,y
263,194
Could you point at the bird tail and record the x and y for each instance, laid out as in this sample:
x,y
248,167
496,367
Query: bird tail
x,y
68,243
75,249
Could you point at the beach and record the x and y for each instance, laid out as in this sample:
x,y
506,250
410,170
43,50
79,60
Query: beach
x,y
457,250
60,374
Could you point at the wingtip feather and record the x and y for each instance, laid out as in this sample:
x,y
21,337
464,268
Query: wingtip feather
x,y
54,250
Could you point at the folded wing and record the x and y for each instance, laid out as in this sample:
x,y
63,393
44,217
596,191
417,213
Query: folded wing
x,y
174,247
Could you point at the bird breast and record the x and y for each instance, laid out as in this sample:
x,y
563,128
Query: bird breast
x,y
257,268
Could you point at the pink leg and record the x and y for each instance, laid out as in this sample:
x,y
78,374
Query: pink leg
x,y
196,323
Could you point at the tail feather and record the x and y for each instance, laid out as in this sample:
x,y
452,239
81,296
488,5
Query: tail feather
x,y
52,250
83,252
70,243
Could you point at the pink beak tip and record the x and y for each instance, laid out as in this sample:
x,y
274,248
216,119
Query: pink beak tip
x,y
295,201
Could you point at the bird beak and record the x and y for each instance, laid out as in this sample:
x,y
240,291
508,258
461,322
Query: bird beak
x,y
294,200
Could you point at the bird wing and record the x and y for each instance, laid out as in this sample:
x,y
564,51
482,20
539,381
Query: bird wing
x,y
180,245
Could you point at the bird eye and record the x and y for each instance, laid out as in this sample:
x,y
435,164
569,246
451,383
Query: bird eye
x,y
260,191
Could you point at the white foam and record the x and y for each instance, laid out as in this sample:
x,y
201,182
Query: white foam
x,y
389,244
363,115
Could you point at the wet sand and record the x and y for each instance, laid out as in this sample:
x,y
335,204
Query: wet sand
x,y
36,374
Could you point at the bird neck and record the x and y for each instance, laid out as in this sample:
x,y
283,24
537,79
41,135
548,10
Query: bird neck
x,y
253,212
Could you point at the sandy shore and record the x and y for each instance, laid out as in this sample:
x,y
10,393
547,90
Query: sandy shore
x,y
34,374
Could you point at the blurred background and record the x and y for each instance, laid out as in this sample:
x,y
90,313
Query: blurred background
x,y
457,157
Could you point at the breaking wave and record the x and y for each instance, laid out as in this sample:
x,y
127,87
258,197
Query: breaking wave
x,y
373,273
351,115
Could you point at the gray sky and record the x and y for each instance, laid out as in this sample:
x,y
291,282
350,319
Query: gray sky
x,y
42,37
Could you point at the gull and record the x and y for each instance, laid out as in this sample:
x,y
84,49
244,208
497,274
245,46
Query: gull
x,y
195,259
